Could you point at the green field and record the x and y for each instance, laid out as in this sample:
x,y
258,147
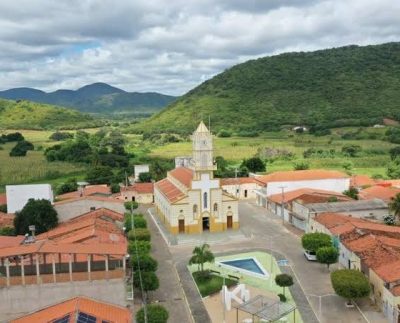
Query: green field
x,y
371,161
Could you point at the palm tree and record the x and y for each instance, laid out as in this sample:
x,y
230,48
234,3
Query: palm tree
x,y
394,205
201,255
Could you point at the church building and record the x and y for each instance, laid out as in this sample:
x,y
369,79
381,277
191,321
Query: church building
x,y
190,199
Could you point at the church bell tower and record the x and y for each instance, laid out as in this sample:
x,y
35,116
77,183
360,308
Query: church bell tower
x,y
203,161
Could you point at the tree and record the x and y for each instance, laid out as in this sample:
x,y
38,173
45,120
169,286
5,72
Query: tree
x,y
115,188
394,152
139,234
13,136
327,255
351,150
39,213
284,280
140,247
350,284
254,164
69,186
348,167
393,169
155,314
146,262
145,177
394,205
351,192
21,148
100,175
314,241
131,205
201,255
149,280
59,136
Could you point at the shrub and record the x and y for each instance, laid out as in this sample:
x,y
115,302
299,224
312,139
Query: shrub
x,y
350,283
145,177
69,186
224,133
155,314
327,255
316,240
7,231
301,165
351,192
3,208
254,164
140,234
131,205
58,136
351,150
143,248
21,148
115,188
282,298
389,219
147,263
149,280
138,221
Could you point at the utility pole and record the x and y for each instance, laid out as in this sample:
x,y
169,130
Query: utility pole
x,y
283,204
237,184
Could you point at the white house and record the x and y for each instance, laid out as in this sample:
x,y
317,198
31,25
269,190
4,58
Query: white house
x,y
139,169
18,195
287,181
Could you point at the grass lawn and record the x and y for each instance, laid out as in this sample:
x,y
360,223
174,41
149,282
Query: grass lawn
x,y
210,284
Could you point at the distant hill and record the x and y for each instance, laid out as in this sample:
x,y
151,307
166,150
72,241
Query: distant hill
x,y
336,87
95,98
32,115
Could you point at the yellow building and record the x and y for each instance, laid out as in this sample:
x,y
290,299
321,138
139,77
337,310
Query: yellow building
x,y
190,199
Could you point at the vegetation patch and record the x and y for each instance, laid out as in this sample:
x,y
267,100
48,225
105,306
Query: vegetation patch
x,y
209,283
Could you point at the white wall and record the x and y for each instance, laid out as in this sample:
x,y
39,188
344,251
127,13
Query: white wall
x,y
18,195
140,169
336,185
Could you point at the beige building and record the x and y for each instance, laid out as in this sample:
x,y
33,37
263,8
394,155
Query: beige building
x,y
190,199
139,192
243,188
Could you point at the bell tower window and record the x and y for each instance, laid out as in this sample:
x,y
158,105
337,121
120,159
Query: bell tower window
x,y
205,200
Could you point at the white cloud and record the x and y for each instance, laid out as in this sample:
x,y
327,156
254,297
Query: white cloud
x,y
171,46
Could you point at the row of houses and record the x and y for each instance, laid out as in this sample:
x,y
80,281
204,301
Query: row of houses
x,y
372,248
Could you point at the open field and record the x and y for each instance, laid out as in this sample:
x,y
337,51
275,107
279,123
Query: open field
x,y
371,161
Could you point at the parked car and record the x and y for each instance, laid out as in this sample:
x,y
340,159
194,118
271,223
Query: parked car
x,y
310,255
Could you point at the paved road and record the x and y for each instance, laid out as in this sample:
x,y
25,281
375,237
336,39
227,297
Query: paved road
x,y
170,293
268,232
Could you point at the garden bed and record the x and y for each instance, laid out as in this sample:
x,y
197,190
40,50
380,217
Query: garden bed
x,y
209,283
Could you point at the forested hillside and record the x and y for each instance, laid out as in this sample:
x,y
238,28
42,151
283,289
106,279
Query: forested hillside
x,y
31,115
327,88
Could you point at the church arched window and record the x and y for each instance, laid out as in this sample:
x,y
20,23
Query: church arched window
x,y
205,200
215,207
194,211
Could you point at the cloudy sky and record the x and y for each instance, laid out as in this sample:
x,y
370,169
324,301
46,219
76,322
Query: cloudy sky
x,y
170,46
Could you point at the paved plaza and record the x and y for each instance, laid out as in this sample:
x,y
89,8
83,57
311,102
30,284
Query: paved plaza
x,y
260,230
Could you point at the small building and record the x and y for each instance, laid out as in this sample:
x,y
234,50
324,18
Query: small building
x,y
184,161
18,195
139,192
374,210
287,181
243,188
102,190
78,309
70,208
139,169
383,192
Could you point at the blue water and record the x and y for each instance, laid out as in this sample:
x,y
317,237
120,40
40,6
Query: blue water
x,y
247,264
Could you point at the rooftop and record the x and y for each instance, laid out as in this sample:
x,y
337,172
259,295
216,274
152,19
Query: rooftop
x,y
381,192
389,272
89,190
141,188
301,175
183,175
78,307
239,180
169,190
347,206
362,181
307,194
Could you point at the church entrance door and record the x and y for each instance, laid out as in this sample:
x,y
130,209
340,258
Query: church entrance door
x,y
181,226
206,224
229,221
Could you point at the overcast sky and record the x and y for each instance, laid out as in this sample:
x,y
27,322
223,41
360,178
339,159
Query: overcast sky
x,y
170,46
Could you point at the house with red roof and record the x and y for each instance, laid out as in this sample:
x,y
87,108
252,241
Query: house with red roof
x,y
85,255
78,309
283,182
190,200
243,188
142,193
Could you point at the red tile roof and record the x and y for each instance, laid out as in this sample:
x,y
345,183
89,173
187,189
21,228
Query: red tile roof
x,y
141,188
183,175
3,198
169,190
101,310
338,223
239,180
10,241
301,175
378,191
309,195
396,290
389,272
110,199
87,191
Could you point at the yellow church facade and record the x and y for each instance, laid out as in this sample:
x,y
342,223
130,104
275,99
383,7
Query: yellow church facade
x,y
190,200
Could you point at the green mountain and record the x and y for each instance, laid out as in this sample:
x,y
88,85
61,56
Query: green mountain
x,y
336,87
95,98
31,115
